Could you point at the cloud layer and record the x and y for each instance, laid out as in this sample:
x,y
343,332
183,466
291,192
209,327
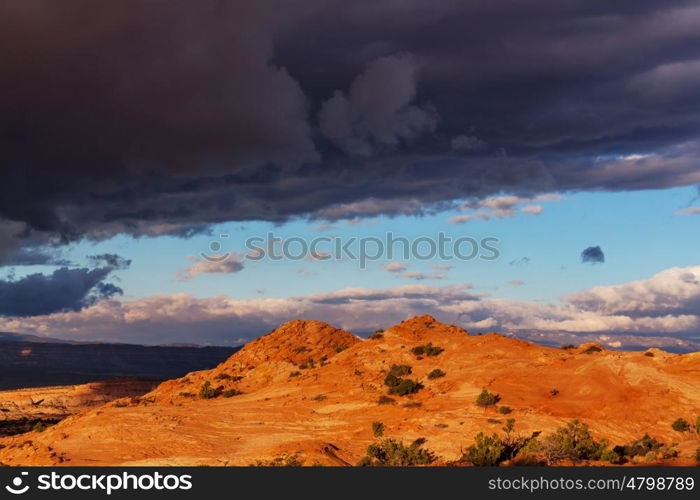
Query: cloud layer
x,y
163,117
663,310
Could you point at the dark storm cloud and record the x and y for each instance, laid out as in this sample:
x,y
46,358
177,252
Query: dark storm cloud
x,y
592,255
63,290
110,260
162,117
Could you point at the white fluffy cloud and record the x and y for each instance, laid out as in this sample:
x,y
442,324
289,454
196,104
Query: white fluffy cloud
x,y
662,311
500,207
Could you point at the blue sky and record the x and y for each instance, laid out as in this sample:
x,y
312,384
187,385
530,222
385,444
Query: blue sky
x,y
639,232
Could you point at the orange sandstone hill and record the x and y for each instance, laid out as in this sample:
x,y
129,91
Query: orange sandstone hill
x,y
313,391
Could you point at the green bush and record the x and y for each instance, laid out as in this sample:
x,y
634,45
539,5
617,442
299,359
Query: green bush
x,y
568,346
639,447
553,392
230,393
486,398
392,453
207,391
680,425
379,334
186,394
504,410
391,380
487,451
573,442
405,386
612,457
428,349
385,400
591,349
223,376
377,429
436,373
340,348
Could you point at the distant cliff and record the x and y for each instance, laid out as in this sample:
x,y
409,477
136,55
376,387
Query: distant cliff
x,y
32,364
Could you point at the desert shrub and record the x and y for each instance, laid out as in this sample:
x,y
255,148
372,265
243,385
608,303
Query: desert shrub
x,y
401,386
612,457
573,442
340,348
385,400
649,354
230,393
223,376
122,404
405,386
680,425
391,380
553,392
319,397
377,429
664,452
566,347
379,334
300,349
428,349
591,349
207,391
186,394
399,370
236,378
639,447
504,410
309,363
418,350
436,373
392,453
486,398
486,451
294,373
697,424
